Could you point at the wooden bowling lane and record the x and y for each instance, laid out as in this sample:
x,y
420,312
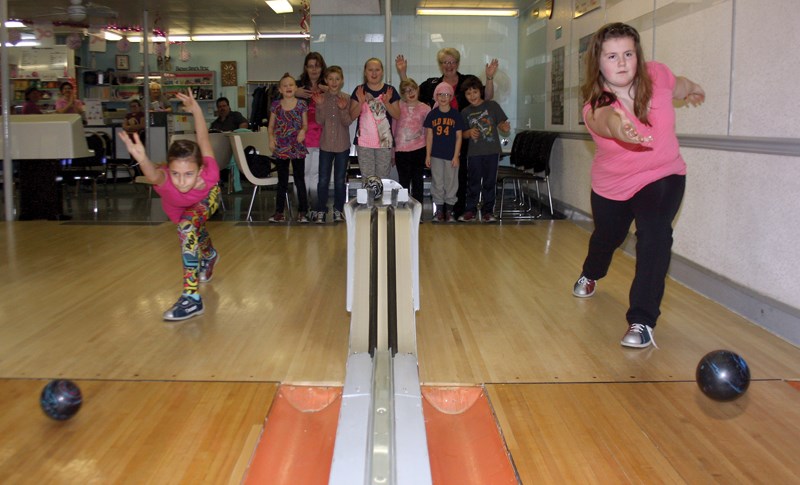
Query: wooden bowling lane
x,y
85,302
657,432
497,307
133,433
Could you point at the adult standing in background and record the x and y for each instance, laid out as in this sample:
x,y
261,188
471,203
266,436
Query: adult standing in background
x,y
228,120
311,82
32,97
68,102
638,173
449,59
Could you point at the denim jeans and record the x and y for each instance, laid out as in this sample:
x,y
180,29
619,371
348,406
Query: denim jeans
x,y
482,179
653,208
339,162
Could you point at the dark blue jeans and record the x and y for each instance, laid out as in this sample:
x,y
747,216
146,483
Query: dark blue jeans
x,y
482,179
339,162
298,170
653,209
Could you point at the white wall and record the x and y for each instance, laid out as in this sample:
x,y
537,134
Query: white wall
x,y
737,218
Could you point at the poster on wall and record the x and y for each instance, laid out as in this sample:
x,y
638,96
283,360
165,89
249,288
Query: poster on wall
x,y
557,87
585,6
583,46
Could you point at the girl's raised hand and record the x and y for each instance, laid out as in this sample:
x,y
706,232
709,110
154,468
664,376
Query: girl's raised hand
x,y
401,63
189,103
342,101
135,146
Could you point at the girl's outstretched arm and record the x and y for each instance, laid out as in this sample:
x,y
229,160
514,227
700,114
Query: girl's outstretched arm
x,y
137,151
200,128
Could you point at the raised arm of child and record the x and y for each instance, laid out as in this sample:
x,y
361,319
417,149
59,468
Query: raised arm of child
x,y
200,127
138,152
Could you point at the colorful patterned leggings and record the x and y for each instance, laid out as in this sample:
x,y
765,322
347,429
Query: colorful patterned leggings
x,y
194,238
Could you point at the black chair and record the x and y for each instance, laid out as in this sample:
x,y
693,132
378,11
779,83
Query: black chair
x,y
530,159
89,169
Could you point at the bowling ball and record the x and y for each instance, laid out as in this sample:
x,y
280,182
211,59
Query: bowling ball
x,y
374,185
722,375
61,399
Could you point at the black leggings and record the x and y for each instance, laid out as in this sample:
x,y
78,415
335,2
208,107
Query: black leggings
x,y
653,209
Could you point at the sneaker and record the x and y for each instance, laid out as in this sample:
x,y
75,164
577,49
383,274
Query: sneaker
x,y
319,218
207,267
489,217
312,216
277,217
185,307
438,216
468,216
584,287
301,218
638,336
450,217
338,216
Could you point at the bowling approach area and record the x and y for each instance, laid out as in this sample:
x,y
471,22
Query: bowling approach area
x,y
482,368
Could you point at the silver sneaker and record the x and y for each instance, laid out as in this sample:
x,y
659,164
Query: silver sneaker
x,y
338,216
319,217
584,287
638,336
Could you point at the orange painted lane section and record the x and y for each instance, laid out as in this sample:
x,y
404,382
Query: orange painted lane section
x,y
297,443
464,441
795,384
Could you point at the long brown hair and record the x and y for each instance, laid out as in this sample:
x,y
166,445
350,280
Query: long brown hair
x,y
305,80
594,89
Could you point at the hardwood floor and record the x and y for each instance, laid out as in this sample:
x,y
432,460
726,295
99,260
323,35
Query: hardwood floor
x,y
165,401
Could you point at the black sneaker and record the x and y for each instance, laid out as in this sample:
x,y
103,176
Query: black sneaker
x,y
185,307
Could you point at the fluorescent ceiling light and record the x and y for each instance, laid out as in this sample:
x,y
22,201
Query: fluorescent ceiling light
x,y
212,38
278,35
179,38
24,43
280,6
14,24
112,36
138,38
480,12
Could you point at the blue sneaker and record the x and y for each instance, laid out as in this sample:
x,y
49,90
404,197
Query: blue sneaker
x,y
185,307
207,268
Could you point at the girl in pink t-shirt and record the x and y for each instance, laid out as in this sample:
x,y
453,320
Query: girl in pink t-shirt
x,y
410,138
637,172
189,194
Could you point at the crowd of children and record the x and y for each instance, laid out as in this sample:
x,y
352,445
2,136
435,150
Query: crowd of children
x,y
392,129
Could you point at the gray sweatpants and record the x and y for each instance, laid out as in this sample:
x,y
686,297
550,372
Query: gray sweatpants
x,y
375,161
444,182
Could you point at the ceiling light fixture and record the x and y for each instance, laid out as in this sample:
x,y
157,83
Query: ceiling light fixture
x,y
112,36
223,37
278,35
14,24
138,38
479,12
280,6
